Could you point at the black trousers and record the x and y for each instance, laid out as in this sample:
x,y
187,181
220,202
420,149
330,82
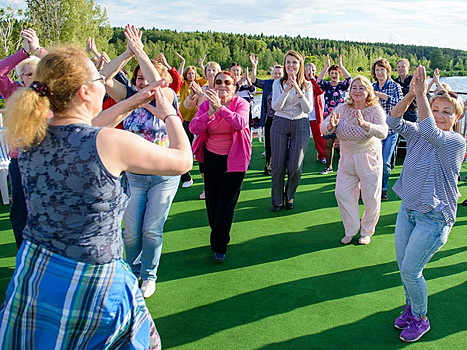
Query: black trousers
x,y
18,211
187,176
267,142
222,190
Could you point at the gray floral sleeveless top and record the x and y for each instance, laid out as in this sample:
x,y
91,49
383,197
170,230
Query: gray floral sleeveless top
x,y
75,206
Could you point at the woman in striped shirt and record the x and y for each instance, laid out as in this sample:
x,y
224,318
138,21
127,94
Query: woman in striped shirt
x,y
428,189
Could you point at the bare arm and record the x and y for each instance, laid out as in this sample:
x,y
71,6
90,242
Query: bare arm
x,y
402,106
420,87
342,68
115,114
254,67
201,63
323,72
124,151
182,63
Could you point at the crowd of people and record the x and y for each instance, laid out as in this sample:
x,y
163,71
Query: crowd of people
x,y
75,176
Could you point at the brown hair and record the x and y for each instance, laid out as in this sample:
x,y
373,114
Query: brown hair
x,y
371,99
334,67
187,69
163,72
301,70
62,71
382,62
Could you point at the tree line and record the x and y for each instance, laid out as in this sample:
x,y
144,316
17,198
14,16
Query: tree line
x,y
73,21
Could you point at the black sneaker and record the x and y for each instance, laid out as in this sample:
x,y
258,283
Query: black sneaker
x,y
384,195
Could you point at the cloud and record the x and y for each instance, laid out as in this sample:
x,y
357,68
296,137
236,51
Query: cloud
x,y
439,23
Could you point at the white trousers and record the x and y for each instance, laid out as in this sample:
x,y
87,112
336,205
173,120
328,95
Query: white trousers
x,y
359,173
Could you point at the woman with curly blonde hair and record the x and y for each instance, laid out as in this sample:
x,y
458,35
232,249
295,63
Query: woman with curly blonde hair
x,y
360,124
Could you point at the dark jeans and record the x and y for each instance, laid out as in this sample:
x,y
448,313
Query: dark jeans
x,y
187,176
18,211
222,191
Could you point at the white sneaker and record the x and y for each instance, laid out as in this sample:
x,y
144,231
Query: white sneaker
x,y
346,239
202,195
148,288
187,184
364,240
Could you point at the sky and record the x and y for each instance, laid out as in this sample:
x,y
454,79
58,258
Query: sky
x,y
441,23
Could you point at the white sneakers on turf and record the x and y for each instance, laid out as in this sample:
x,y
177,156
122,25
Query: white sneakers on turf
x,y
148,288
187,184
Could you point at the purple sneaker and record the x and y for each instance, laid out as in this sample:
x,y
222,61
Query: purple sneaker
x,y
404,319
416,328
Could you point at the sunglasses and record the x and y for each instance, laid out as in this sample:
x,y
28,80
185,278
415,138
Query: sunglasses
x,y
444,92
226,82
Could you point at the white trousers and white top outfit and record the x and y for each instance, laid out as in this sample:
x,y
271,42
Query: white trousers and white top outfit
x,y
360,167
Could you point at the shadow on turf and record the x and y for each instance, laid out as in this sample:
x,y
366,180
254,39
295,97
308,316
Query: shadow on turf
x,y
200,322
377,331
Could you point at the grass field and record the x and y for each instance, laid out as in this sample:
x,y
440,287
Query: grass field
x,y
288,282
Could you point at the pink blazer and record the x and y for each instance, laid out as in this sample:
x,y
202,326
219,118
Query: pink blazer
x,y
237,115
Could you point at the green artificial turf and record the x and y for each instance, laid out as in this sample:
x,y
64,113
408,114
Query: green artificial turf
x,y
288,282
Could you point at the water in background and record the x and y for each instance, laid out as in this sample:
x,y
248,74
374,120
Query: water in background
x,y
458,84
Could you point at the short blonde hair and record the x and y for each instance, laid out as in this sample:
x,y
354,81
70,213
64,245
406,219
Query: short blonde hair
x,y
371,99
452,98
20,67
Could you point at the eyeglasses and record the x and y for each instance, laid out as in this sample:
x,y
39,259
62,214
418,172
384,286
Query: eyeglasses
x,y
444,92
226,82
101,79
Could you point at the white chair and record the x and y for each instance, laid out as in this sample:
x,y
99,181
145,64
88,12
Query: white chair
x,y
4,162
258,132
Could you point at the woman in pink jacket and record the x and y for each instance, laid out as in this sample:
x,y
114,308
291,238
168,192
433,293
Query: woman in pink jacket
x,y
224,145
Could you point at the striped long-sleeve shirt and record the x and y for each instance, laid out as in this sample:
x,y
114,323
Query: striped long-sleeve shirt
x,y
428,180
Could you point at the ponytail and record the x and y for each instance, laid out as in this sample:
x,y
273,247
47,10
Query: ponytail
x,y
26,118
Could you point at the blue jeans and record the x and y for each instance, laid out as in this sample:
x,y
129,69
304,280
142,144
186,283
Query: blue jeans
x,y
150,199
389,144
418,237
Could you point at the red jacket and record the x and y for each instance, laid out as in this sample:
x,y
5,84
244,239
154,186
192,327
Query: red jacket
x,y
318,102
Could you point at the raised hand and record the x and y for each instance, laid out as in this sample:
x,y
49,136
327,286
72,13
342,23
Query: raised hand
x,y
420,81
328,61
32,41
161,58
436,76
133,38
253,60
201,61
180,56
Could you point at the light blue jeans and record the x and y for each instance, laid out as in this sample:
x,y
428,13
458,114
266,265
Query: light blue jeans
x,y
389,144
418,237
150,199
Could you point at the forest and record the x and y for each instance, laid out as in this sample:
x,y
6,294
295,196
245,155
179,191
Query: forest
x,y
73,21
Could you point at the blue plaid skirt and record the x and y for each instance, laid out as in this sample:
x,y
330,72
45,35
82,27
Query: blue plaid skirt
x,y
53,302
